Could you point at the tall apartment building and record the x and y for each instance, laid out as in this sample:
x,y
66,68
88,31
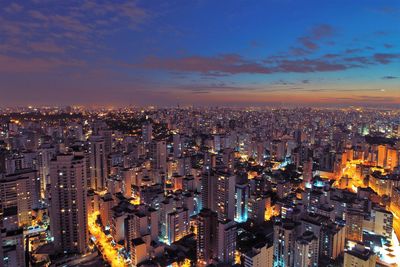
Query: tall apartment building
x,y
284,243
98,163
354,225
382,222
177,224
306,250
359,256
332,240
226,241
68,203
225,196
208,189
20,190
207,236
261,255
241,199
147,132
158,155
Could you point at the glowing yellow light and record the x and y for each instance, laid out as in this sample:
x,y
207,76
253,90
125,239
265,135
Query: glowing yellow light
x,y
135,201
237,257
110,253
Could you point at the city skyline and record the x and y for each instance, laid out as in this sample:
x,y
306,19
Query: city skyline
x,y
200,133
203,53
180,187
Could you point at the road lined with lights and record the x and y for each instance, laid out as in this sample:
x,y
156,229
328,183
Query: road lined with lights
x,y
110,253
350,170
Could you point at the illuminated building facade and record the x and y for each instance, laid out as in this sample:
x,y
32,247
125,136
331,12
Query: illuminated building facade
x,y
359,256
261,255
207,236
284,243
68,203
20,191
241,199
98,163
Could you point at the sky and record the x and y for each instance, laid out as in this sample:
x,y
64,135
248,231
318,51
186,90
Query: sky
x,y
200,52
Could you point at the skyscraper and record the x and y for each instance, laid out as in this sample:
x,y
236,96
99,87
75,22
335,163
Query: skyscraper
x,y
20,190
98,163
226,241
177,224
147,132
158,155
241,199
306,250
68,203
332,240
207,236
354,225
284,238
208,189
225,196
45,154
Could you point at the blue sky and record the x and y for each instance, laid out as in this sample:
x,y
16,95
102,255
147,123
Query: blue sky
x,y
200,52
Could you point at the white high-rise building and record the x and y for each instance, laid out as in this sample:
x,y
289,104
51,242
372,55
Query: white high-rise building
x,y
359,256
225,196
261,255
20,191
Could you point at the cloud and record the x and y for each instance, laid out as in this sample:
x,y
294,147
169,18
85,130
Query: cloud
x,y
377,98
385,58
322,31
353,50
35,14
309,65
47,47
10,64
389,77
316,34
282,82
331,55
308,43
228,63
235,64
47,38
214,87
201,92
83,24
299,51
13,8
360,59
